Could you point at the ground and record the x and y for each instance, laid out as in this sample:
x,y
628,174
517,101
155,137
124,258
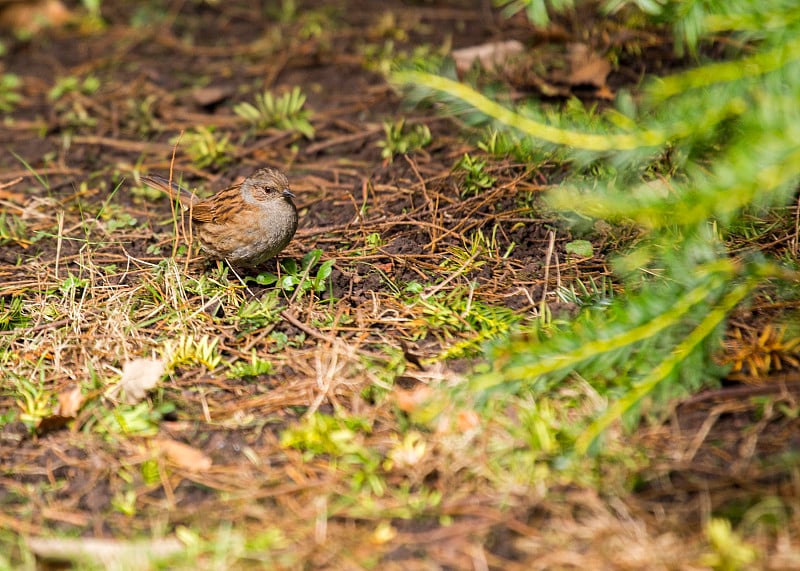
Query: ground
x,y
103,279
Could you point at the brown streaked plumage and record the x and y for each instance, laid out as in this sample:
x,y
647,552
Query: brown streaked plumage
x,y
245,224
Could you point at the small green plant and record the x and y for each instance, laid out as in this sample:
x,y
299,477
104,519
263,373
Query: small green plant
x,y
407,452
149,471
476,248
140,115
187,351
580,248
499,143
253,368
72,84
455,312
342,439
11,317
116,216
399,141
730,552
72,111
93,19
266,540
206,148
536,10
372,242
75,116
383,57
8,416
596,292
471,255
285,112
295,276
72,285
476,179
35,403
281,341
12,229
380,58
285,12
125,502
130,420
318,24
388,26
533,439
9,91
257,313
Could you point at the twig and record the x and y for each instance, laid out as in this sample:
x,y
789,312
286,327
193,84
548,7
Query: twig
x,y
36,328
289,316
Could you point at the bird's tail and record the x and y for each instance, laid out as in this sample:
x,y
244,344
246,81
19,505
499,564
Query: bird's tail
x,y
174,191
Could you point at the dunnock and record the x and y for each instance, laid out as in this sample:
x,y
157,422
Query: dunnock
x,y
245,224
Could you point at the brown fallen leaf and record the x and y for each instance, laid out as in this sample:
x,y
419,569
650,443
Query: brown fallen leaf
x,y
138,377
467,420
491,55
30,16
208,96
410,401
182,455
109,553
70,402
586,67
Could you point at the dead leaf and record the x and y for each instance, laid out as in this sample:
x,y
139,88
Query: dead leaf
x,y
183,455
208,96
410,401
138,377
109,553
70,402
32,16
586,67
491,55
467,420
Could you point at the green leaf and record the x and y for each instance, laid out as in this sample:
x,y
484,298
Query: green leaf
x,y
266,278
582,248
325,270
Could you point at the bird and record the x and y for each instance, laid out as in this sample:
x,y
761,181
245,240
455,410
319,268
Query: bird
x,y
245,224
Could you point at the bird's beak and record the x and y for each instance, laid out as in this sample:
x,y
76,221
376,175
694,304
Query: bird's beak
x,y
288,193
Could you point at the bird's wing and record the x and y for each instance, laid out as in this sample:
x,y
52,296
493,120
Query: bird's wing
x,y
203,211
221,207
